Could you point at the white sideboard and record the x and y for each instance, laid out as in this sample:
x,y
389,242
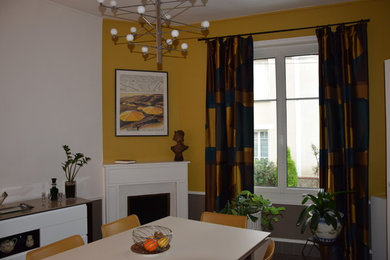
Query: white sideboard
x,y
123,180
53,225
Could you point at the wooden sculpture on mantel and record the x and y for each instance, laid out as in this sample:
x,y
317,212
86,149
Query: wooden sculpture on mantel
x,y
180,147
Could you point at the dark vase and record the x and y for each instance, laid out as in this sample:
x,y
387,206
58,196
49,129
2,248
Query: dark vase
x,y
70,189
53,190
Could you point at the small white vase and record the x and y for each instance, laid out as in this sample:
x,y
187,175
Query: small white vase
x,y
326,233
255,225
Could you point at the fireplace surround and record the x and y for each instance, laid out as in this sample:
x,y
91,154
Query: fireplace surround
x,y
127,180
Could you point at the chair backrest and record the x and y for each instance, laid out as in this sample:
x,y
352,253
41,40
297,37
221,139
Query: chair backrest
x,y
270,251
120,225
55,248
224,219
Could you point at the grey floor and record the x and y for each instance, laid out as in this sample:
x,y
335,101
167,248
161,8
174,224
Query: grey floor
x,y
294,257
290,251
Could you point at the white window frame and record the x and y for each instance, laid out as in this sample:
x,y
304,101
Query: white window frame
x,y
279,49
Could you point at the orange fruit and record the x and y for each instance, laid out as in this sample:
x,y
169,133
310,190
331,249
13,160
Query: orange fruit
x,y
150,245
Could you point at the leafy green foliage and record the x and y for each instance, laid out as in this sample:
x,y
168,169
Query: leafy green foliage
x,y
266,173
247,204
322,206
292,173
73,163
316,153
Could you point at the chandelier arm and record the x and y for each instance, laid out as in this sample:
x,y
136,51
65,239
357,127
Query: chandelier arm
x,y
189,25
131,6
175,7
152,16
146,20
158,31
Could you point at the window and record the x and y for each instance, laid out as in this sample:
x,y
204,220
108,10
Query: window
x,y
261,144
287,112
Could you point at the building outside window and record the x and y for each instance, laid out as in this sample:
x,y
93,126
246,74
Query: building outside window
x,y
286,118
261,144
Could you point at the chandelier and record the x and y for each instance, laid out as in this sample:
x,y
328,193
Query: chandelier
x,y
157,22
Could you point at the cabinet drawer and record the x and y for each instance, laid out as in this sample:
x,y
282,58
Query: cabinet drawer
x,y
45,219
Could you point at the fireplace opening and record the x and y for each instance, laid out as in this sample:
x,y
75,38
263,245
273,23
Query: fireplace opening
x,y
149,207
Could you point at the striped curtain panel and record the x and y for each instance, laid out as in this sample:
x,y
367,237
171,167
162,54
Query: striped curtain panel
x,y
344,130
229,120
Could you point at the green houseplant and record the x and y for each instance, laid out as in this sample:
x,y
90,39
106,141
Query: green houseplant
x,y
249,204
71,167
321,216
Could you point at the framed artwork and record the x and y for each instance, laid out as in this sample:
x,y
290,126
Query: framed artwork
x,y
141,101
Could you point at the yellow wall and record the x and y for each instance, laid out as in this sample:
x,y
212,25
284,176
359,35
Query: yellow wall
x,y
186,78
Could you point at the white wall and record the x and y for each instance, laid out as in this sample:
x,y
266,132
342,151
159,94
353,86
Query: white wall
x,y
50,95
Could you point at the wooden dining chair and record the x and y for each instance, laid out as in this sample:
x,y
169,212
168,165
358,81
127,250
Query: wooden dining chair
x,y
55,248
120,225
224,219
270,250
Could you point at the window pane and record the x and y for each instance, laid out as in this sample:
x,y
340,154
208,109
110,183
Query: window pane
x,y
302,143
264,144
302,76
264,79
265,131
265,122
256,144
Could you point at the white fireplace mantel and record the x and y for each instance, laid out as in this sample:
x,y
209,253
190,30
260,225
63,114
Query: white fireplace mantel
x,y
123,180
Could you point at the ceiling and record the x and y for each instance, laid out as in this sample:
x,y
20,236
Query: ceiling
x,y
208,9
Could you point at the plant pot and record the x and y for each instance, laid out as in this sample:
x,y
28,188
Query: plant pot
x,y
326,233
70,189
255,225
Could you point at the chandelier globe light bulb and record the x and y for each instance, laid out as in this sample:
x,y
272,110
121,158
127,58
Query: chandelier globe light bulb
x,y
100,1
169,41
114,32
113,3
129,37
184,46
133,29
168,17
141,9
144,50
175,33
205,24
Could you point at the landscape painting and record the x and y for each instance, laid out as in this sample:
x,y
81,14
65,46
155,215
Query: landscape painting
x,y
141,103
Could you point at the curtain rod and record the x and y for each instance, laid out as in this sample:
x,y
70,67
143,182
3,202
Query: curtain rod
x,y
284,30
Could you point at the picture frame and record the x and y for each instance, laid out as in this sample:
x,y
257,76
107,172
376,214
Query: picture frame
x,y
141,103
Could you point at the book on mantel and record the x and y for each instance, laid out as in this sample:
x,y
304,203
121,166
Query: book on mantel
x,y
125,161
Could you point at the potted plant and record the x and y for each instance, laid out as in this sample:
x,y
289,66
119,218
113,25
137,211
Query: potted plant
x,y
321,216
71,167
255,207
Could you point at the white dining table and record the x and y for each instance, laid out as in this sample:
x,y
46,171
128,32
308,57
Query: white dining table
x,y
191,240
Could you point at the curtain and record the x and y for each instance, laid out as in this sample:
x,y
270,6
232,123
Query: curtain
x,y
229,120
344,130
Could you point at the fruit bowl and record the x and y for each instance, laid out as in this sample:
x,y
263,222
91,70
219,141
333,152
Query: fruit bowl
x,y
151,239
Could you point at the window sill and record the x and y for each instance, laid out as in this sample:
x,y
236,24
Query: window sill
x,y
289,196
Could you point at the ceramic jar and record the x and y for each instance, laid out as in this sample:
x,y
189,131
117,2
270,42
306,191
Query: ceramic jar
x,y
8,245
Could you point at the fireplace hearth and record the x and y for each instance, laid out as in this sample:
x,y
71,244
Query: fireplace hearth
x,y
148,180
149,208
